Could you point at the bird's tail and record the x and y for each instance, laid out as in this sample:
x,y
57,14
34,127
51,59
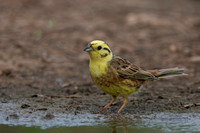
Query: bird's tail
x,y
170,72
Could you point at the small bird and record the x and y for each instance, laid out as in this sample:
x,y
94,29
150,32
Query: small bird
x,y
117,76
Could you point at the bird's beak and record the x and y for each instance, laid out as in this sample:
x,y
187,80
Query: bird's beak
x,y
88,48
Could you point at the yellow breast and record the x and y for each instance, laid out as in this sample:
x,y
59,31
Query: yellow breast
x,y
108,81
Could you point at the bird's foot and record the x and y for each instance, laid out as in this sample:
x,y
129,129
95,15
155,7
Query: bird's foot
x,y
117,114
100,111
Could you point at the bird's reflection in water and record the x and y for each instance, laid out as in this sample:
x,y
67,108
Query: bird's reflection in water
x,y
114,129
116,123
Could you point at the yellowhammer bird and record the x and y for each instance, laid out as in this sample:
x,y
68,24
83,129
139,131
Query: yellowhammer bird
x,y
117,76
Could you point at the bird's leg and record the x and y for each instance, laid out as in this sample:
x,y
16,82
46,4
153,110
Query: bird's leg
x,y
125,102
114,99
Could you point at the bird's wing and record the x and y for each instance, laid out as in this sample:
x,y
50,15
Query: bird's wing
x,y
127,70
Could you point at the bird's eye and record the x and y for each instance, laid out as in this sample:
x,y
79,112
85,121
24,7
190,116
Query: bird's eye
x,y
99,47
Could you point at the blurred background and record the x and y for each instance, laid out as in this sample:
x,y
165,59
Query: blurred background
x,y
42,42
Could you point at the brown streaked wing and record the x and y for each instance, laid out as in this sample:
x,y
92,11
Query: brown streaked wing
x,y
127,70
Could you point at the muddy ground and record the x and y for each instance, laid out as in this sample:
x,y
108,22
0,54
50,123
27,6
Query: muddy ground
x,y
43,67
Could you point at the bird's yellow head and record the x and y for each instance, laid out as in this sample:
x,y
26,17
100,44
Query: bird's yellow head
x,y
99,51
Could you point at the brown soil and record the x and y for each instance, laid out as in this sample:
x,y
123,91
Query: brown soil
x,y
43,66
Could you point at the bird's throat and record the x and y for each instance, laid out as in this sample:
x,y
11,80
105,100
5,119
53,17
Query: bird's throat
x,y
98,69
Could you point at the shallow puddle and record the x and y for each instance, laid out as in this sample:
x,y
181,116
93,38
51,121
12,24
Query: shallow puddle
x,y
14,120
79,129
158,122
